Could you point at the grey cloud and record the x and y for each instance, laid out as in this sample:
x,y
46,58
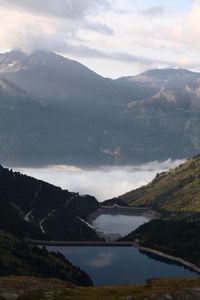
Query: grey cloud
x,y
71,9
154,11
31,41
101,260
112,181
59,44
84,51
101,28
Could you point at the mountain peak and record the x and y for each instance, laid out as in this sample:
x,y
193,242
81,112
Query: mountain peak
x,y
14,55
167,72
17,60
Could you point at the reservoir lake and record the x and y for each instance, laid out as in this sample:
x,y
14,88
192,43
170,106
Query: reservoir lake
x,y
115,225
120,265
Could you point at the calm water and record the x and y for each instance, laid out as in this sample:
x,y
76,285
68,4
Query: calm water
x,y
119,265
118,224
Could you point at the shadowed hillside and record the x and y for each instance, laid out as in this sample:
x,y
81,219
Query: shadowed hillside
x,y
19,258
35,209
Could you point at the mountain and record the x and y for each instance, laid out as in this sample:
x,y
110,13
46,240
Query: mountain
x,y
34,209
19,258
9,89
57,111
157,79
177,190
53,78
25,121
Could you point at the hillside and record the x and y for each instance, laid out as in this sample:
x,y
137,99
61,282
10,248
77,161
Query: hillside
x,y
19,258
35,209
177,190
26,288
178,238
176,194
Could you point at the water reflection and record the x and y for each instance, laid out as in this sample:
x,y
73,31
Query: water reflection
x,y
102,259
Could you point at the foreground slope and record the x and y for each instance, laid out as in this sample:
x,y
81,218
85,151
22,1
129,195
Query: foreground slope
x,y
26,288
177,190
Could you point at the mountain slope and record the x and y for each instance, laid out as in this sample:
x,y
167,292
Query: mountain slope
x,y
57,111
19,258
177,238
35,209
175,191
53,77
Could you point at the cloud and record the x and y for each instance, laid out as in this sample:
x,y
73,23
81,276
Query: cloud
x,y
103,259
71,9
48,25
112,181
153,11
102,28
110,37
32,32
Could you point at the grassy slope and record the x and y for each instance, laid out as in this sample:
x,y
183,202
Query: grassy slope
x,y
19,258
58,290
175,191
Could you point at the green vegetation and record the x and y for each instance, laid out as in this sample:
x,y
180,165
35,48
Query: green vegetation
x,y
176,194
19,258
31,288
175,191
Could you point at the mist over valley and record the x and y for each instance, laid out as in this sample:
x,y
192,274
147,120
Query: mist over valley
x,y
104,182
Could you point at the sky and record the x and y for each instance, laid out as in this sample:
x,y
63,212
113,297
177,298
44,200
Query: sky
x,y
112,37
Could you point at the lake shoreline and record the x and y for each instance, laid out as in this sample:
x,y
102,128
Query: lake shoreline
x,y
168,256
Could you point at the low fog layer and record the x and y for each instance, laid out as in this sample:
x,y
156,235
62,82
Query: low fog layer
x,y
104,182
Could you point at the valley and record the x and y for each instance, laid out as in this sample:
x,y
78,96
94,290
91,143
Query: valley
x,y
99,150
74,218
123,132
